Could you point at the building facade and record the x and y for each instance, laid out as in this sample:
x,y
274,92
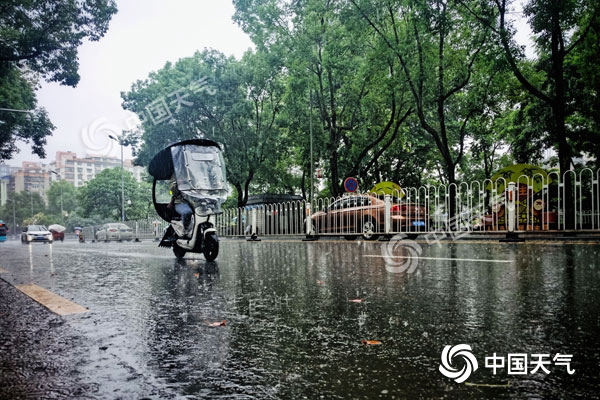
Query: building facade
x,y
78,171
32,177
37,177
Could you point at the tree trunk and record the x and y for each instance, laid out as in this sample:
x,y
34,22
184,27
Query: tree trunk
x,y
564,161
333,165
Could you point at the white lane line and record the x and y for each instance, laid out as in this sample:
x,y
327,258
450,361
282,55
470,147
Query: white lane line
x,y
442,258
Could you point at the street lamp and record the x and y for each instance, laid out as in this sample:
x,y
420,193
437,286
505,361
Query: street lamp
x,y
14,220
62,213
14,217
122,178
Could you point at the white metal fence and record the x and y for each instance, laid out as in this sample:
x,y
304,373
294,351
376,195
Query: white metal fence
x,y
567,203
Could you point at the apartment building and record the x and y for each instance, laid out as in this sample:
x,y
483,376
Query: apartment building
x,y
32,177
7,181
77,170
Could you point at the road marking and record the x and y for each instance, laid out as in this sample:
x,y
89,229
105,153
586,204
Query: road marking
x,y
3,271
442,258
51,301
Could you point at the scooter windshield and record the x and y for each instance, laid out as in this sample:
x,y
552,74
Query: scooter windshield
x,y
200,173
199,168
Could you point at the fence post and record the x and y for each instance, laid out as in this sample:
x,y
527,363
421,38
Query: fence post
x,y
254,231
309,231
310,234
510,206
510,201
388,214
137,236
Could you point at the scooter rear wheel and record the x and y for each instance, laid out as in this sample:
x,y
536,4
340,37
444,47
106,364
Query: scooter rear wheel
x,y
178,251
211,247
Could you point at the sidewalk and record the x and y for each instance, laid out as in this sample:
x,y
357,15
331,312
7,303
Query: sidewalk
x,y
39,352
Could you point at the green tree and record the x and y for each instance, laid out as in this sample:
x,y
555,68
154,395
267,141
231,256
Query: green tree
x,y
26,205
335,67
101,196
444,58
39,38
44,35
552,23
238,109
17,92
61,195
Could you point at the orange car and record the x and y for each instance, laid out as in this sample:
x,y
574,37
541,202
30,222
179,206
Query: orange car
x,y
364,215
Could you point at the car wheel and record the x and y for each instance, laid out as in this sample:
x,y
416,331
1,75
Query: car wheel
x,y
368,229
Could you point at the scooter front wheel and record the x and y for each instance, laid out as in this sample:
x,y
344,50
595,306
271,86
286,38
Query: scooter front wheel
x,y
211,247
178,251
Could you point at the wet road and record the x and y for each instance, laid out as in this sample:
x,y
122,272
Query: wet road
x,y
291,330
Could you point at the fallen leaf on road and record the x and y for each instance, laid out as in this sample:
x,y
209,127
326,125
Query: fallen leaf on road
x,y
370,342
197,275
215,324
320,282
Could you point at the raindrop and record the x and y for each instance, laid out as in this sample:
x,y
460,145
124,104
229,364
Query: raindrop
x,y
362,318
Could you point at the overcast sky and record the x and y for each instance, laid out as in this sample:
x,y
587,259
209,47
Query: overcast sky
x,y
142,36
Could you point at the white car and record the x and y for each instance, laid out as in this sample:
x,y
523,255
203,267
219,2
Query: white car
x,y
114,231
36,233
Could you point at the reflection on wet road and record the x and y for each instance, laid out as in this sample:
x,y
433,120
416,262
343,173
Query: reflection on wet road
x,y
291,330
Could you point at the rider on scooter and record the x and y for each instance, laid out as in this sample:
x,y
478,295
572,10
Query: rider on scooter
x,y
181,206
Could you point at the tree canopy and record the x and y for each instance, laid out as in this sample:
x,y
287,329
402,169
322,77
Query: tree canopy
x,y
39,40
412,92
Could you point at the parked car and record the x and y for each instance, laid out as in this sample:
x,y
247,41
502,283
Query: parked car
x,y
36,233
114,231
364,215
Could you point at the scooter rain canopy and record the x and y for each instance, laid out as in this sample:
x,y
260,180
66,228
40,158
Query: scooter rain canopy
x,y
199,170
161,166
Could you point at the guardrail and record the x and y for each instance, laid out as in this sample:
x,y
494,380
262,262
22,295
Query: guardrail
x,y
553,203
567,203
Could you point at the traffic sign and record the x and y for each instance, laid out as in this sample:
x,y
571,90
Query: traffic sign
x,y
351,184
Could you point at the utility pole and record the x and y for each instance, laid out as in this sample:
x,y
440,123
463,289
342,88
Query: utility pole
x,y
312,165
120,141
62,212
14,221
